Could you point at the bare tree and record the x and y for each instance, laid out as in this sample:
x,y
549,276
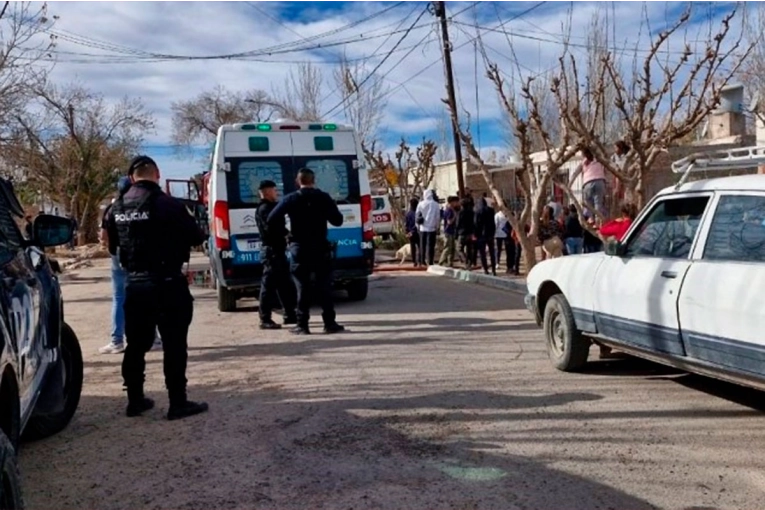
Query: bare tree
x,y
753,68
300,98
23,50
404,178
197,120
75,147
659,103
534,179
364,99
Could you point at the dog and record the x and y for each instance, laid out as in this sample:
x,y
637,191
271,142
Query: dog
x,y
404,253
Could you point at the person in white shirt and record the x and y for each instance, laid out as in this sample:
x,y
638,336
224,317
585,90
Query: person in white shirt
x,y
428,216
503,238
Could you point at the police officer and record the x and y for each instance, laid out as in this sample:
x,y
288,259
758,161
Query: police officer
x,y
276,270
309,210
154,233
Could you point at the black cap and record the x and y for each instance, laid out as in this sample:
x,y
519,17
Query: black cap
x,y
138,162
266,184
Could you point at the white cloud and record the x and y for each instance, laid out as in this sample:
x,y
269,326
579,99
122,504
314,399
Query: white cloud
x,y
221,28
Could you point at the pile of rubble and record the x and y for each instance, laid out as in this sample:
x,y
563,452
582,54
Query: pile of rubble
x,y
80,257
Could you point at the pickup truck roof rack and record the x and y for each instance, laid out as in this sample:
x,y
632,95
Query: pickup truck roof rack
x,y
741,158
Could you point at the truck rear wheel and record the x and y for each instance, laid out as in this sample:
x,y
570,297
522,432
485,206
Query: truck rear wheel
x,y
44,425
358,289
10,483
226,298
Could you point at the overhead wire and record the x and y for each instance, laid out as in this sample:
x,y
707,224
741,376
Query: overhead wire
x,y
371,73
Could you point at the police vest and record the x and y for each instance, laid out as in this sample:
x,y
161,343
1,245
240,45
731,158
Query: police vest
x,y
138,233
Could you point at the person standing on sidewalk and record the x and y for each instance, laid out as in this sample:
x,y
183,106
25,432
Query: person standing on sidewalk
x,y
466,232
276,278
573,233
502,230
450,232
428,217
412,234
484,233
119,276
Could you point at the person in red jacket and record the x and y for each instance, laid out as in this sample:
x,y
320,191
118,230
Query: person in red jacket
x,y
618,227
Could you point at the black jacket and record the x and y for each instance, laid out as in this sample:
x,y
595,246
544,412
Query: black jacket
x,y
153,231
485,228
272,235
310,210
466,221
573,227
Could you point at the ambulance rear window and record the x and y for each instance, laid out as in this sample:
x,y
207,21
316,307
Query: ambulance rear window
x,y
250,175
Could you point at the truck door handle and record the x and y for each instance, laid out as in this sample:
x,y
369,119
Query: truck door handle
x,y
668,274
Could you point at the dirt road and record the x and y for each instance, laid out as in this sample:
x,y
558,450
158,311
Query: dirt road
x,y
440,396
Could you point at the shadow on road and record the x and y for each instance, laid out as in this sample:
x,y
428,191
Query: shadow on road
x,y
272,450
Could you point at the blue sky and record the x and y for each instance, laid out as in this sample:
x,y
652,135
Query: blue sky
x,y
415,82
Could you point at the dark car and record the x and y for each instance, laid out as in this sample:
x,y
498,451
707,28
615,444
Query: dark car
x,y
40,358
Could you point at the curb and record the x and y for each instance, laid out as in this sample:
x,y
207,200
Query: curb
x,y
494,282
397,268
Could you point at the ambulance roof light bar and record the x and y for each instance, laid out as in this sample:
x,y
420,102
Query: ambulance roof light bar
x,y
741,158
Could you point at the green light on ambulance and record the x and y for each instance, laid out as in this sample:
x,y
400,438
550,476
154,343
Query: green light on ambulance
x,y
330,127
264,127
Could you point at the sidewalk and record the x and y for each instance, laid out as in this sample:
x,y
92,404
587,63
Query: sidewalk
x,y
502,281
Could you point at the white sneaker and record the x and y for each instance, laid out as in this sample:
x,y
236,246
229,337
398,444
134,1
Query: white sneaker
x,y
112,348
157,346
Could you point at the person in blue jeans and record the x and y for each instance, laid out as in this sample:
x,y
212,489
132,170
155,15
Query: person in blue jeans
x,y
573,234
119,277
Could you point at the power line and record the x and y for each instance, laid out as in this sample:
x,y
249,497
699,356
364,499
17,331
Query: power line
x,y
406,33
95,43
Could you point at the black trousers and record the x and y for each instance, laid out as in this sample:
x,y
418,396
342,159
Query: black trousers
x,y
276,281
518,253
169,306
428,247
414,244
316,263
483,245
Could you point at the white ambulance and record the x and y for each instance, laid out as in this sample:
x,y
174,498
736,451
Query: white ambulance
x,y
246,154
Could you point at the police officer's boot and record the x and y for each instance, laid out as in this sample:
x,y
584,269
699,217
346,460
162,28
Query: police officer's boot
x,y
300,330
181,407
137,402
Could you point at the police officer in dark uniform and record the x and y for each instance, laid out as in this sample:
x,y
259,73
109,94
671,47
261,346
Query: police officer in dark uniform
x,y
276,270
154,233
309,210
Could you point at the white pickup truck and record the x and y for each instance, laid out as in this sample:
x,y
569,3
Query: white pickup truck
x,y
682,287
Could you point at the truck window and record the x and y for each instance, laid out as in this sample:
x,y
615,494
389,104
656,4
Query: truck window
x,y
669,229
378,204
737,232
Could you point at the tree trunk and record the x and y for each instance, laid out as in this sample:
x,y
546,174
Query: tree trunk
x,y
529,252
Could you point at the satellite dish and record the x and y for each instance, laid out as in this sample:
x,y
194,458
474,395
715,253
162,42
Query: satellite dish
x,y
754,103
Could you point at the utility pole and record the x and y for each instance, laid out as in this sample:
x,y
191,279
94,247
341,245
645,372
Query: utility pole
x,y
440,11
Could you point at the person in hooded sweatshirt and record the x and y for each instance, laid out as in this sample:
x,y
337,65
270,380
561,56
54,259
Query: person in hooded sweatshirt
x,y
484,233
428,217
466,231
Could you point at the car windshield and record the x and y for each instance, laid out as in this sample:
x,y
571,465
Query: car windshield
x,y
379,204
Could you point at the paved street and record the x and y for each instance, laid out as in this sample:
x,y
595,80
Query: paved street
x,y
440,396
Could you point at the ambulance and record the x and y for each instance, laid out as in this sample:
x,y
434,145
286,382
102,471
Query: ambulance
x,y
246,154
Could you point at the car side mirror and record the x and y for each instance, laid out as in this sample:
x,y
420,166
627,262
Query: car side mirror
x,y
49,230
614,248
